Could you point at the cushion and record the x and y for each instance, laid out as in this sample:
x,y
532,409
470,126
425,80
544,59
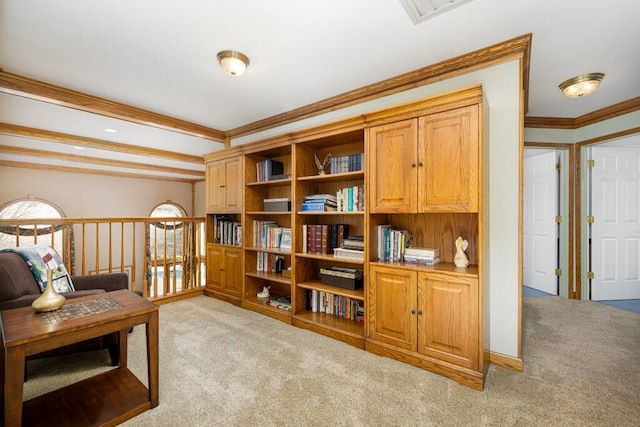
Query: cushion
x,y
42,257
16,279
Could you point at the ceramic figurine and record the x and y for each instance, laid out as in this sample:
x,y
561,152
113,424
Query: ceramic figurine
x,y
322,166
264,293
460,259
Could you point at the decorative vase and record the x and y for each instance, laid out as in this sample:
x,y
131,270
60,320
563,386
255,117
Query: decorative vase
x,y
50,300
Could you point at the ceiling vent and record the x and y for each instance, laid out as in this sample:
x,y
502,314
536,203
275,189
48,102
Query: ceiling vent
x,y
421,10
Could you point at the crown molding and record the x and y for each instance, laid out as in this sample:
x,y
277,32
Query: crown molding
x,y
519,47
26,87
606,113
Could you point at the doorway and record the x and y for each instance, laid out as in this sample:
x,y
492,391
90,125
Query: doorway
x,y
545,219
612,182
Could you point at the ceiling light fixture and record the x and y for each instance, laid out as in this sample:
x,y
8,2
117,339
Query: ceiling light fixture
x,y
582,85
232,62
110,130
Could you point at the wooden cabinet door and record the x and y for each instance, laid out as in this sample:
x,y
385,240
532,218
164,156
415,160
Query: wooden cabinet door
x,y
448,321
215,183
392,167
448,161
392,307
232,272
214,266
232,190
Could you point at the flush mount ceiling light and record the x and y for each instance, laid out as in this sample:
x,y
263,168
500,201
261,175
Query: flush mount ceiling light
x,y
232,62
582,85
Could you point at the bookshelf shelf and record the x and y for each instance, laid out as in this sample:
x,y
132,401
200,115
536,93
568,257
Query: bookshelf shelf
x,y
272,183
273,277
333,177
274,251
268,213
331,213
445,267
319,286
351,328
330,258
261,305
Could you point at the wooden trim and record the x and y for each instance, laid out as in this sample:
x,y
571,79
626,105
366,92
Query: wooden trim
x,y
98,161
606,113
25,165
99,144
504,361
609,137
518,47
14,84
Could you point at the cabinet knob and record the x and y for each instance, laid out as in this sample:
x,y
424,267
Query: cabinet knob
x,y
222,186
413,312
413,165
420,164
420,313
222,269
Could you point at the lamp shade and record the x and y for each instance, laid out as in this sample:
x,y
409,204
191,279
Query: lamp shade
x,y
232,62
582,85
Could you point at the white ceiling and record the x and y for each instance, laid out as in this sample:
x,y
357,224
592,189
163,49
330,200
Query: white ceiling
x,y
160,55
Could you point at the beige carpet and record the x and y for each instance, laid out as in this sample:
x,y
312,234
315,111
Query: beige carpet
x,y
224,366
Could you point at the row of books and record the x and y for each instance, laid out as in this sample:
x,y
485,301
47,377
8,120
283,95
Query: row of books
x,y
392,243
323,238
267,263
350,163
325,302
269,170
269,235
227,231
319,203
350,199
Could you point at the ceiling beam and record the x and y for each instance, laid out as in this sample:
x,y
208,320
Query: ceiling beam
x,y
81,141
40,166
14,84
21,151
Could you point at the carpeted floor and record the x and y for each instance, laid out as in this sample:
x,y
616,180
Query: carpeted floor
x,y
222,365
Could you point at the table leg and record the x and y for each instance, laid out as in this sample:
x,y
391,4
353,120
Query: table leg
x,y
123,345
152,357
13,368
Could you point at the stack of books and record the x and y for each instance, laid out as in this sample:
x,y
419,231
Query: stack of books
x,y
319,203
427,256
352,248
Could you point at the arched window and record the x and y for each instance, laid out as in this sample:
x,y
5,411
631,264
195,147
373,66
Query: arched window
x,y
165,250
58,237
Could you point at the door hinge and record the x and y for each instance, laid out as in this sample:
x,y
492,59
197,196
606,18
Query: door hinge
x,y
591,163
590,275
591,219
558,219
558,272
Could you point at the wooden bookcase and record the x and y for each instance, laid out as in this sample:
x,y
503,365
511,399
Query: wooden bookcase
x,y
422,171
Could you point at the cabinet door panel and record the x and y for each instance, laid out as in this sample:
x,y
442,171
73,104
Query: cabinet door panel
x,y
214,179
233,186
392,300
232,282
214,267
392,178
448,156
448,324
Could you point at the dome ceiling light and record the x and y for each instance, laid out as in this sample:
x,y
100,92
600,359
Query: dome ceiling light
x,y
582,85
232,62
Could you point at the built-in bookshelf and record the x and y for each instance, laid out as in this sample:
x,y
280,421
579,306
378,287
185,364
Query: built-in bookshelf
x,y
268,222
351,227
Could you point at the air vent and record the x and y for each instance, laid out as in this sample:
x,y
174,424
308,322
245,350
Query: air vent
x,y
421,10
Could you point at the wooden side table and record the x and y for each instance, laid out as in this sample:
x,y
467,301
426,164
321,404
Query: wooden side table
x,y
107,399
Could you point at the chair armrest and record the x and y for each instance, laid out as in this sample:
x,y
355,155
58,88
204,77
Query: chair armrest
x,y
109,282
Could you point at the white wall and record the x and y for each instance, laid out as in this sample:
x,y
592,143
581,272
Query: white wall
x,y
501,86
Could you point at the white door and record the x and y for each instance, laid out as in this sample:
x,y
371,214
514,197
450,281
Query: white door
x,y
615,232
540,227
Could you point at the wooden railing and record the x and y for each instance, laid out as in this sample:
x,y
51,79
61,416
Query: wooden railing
x,y
164,257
